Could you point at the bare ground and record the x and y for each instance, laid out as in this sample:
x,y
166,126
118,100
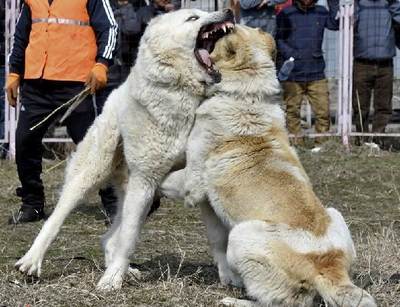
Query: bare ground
x,y
173,254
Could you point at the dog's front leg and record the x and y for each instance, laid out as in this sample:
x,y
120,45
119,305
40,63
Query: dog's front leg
x,y
217,234
72,194
138,198
199,144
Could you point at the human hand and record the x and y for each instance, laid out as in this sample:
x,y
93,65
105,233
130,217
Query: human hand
x,y
262,4
169,7
11,88
97,78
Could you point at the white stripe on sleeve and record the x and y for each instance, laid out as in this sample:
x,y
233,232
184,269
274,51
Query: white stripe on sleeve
x,y
112,34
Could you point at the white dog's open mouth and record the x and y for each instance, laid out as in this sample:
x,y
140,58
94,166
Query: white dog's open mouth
x,y
206,39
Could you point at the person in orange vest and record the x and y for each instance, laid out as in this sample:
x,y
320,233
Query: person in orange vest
x,y
60,47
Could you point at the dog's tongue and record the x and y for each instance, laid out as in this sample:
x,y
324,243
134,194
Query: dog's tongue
x,y
205,56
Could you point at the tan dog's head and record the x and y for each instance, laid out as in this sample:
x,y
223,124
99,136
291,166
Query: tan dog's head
x,y
245,59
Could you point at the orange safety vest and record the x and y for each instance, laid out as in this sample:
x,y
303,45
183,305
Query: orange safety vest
x,y
62,45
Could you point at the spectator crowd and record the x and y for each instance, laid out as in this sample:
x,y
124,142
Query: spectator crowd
x,y
110,33
299,31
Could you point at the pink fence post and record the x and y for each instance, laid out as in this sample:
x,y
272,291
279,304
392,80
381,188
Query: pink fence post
x,y
12,9
346,69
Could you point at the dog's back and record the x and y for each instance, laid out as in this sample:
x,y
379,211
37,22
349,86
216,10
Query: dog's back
x,y
251,169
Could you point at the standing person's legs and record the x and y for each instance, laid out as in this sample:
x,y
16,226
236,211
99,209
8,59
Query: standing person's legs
x,y
363,83
35,105
383,95
318,96
293,95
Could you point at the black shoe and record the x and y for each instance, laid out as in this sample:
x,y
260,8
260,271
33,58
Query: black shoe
x,y
110,213
110,203
155,205
26,215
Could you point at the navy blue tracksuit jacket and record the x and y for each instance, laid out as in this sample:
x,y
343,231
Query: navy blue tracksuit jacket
x,y
300,34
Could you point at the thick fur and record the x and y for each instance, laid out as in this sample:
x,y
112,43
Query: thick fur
x,y
265,225
141,133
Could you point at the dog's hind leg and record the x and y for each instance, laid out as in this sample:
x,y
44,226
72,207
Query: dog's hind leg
x,y
89,167
217,234
119,179
249,252
136,205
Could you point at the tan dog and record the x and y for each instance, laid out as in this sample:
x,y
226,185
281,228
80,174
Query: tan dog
x,y
283,244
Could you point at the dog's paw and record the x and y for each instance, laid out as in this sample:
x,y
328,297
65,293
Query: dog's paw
x,y
190,202
234,302
134,273
30,264
194,195
230,279
109,283
228,301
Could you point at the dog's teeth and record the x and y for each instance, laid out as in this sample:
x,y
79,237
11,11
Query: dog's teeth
x,y
205,35
224,28
229,25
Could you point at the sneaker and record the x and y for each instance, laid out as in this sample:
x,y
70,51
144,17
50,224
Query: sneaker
x,y
316,149
26,215
371,145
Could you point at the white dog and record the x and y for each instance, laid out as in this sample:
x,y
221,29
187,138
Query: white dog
x,y
283,244
140,134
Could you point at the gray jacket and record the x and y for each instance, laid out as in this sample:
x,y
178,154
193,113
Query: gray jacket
x,y
373,29
263,18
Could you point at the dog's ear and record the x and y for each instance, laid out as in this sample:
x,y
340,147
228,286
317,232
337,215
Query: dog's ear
x,y
269,43
233,51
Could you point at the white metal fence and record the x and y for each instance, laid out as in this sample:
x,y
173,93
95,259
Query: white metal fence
x,y
337,47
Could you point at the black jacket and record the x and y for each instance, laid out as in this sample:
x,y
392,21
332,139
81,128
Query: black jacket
x,y
2,32
129,35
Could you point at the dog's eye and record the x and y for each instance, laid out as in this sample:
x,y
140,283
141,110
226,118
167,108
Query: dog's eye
x,y
193,18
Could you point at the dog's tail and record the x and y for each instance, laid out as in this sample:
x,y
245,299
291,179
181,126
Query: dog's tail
x,y
331,267
326,272
326,266
333,283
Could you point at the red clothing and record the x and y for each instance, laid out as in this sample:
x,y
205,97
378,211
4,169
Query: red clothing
x,y
280,7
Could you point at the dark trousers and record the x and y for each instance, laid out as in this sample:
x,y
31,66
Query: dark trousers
x,y
38,99
371,76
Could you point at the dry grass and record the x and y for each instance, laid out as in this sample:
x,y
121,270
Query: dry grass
x,y
173,251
